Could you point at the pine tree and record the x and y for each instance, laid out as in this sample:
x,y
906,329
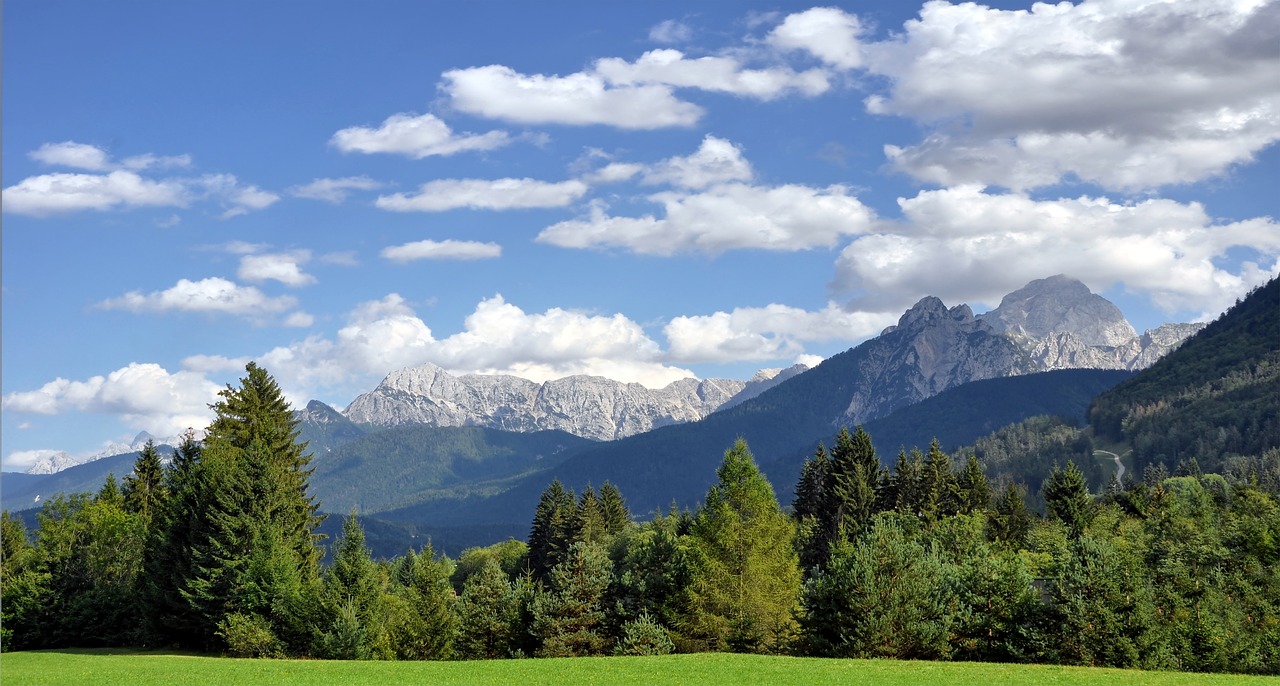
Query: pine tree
x,y
144,488
616,515
247,483
486,614
936,484
855,474
746,578
430,630
908,478
1012,520
168,560
551,533
1066,498
355,590
588,520
973,494
570,619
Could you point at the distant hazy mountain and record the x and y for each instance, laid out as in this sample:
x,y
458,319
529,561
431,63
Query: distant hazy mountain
x,y
587,406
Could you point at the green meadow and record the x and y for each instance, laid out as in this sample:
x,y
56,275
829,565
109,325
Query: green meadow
x,y
102,667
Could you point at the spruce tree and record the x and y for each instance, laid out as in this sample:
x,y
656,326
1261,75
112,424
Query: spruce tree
x,y
1066,498
855,475
570,619
973,494
616,515
588,521
144,488
551,533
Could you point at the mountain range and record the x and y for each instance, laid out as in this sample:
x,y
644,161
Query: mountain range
x,y
471,453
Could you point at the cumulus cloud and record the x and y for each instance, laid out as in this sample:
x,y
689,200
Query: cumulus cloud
x,y
285,267
94,158
72,154
722,74
716,161
299,320
978,246
416,136
1130,96
214,295
828,33
59,193
499,92
145,396
724,217
484,194
334,190
442,250
766,333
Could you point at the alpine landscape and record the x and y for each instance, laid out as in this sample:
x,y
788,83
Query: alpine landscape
x,y
940,341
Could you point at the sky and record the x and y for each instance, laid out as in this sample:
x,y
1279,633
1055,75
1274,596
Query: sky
x,y
644,191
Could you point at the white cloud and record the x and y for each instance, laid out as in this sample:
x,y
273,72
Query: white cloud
x,y
721,74
499,92
213,295
72,154
334,190
442,250
671,31
765,333
725,217
145,396
614,172
94,158
238,198
299,320
716,161
484,194
978,246
56,193
1131,96
827,33
415,136
285,267
22,460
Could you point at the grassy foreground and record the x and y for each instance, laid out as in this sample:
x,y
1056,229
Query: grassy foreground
x,y
147,668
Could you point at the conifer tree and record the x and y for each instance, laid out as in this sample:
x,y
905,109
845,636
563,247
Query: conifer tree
x,y
588,521
431,627
973,494
486,614
936,484
855,474
144,488
616,515
1012,520
551,533
908,481
570,619
1066,498
746,578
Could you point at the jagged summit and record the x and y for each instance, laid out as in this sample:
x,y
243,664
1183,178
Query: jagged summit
x,y
588,406
1061,304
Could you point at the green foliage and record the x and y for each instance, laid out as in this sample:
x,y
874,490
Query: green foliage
x,y
427,624
1067,499
554,523
569,620
883,595
249,636
144,488
487,614
644,636
746,575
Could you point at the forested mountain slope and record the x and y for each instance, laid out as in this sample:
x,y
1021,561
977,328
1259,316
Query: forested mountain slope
x,y
1216,396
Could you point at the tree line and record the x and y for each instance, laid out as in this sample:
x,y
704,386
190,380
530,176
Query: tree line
x,y
217,551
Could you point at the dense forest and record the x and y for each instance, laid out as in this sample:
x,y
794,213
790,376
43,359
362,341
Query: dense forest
x,y
218,551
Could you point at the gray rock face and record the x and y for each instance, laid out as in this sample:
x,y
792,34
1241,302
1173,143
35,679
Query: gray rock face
x,y
1060,304
588,406
1061,324
931,349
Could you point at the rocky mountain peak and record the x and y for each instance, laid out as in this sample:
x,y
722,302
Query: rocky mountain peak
x,y
1060,304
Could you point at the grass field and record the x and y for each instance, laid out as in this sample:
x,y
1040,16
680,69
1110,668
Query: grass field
x,y
146,669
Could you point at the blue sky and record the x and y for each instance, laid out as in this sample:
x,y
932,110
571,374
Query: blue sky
x,y
643,191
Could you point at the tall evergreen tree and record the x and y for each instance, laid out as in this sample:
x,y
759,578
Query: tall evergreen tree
x,y
855,475
168,562
588,520
973,494
616,515
1012,520
144,488
936,484
1067,499
551,533
746,579
569,620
